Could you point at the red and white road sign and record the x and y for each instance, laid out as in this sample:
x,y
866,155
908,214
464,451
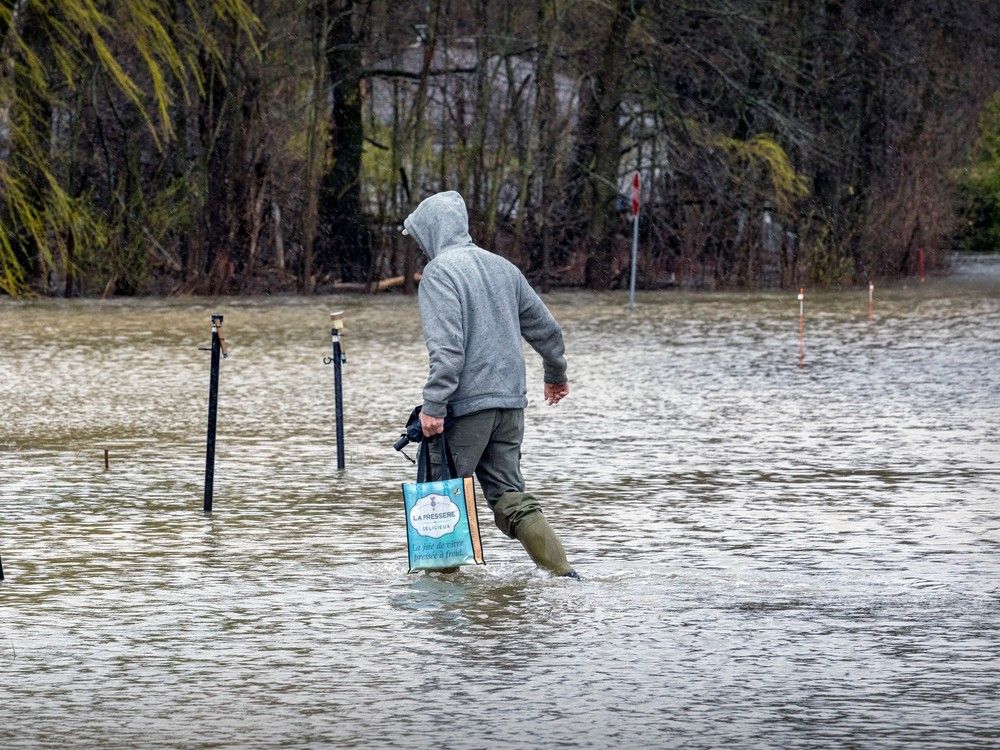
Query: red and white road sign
x,y
635,194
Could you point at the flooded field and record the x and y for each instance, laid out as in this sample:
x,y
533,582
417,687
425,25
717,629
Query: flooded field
x,y
774,555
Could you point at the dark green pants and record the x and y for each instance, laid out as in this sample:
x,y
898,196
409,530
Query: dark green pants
x,y
488,444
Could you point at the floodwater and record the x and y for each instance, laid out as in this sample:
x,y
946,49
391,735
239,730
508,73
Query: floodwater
x,y
775,555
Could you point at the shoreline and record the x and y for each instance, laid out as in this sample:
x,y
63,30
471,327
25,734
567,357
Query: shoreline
x,y
962,266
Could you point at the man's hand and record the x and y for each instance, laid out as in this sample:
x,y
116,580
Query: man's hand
x,y
431,426
556,392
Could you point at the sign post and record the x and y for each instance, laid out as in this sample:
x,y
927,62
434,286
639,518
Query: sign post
x,y
635,239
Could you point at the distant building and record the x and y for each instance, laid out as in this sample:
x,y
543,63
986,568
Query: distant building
x,y
461,98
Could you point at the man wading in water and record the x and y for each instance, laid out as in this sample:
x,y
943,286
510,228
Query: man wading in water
x,y
475,307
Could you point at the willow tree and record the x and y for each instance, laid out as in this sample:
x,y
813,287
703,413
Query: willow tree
x,y
54,55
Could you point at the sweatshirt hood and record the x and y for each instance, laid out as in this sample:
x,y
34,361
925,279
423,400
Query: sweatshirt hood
x,y
439,222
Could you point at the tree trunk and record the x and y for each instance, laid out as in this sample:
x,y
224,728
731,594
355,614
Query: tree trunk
x,y
419,107
343,241
215,134
279,236
310,218
480,120
546,116
594,175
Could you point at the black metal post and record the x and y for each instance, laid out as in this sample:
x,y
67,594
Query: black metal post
x,y
213,405
1,569
338,392
339,359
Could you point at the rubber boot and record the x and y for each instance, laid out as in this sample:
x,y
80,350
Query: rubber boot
x,y
542,545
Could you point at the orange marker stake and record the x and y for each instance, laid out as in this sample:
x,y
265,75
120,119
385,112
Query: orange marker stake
x,y
921,265
802,327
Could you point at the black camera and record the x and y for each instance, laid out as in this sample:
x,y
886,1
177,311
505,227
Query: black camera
x,y
414,432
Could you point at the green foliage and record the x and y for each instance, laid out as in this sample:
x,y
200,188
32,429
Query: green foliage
x,y
981,185
57,51
825,262
763,155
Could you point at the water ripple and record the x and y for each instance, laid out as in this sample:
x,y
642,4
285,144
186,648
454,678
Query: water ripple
x,y
774,555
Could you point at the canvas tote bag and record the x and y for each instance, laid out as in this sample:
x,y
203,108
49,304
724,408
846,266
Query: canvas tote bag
x,y
442,524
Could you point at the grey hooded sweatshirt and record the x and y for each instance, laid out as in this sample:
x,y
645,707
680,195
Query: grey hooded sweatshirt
x,y
475,307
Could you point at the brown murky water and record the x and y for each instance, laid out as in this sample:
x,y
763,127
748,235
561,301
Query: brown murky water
x,y
775,556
